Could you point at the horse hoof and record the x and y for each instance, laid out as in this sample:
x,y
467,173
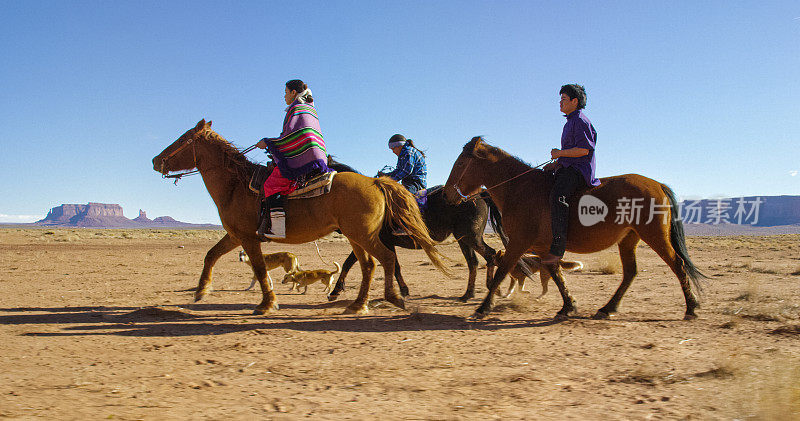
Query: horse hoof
x,y
404,293
560,317
356,310
689,316
264,310
601,315
399,302
332,297
466,297
199,295
478,315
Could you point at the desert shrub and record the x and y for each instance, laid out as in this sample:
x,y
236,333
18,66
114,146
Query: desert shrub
x,y
608,264
763,269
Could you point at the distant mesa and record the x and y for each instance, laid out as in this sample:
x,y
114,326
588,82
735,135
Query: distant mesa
x,y
105,215
142,217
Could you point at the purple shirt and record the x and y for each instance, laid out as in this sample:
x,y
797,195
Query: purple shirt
x,y
579,133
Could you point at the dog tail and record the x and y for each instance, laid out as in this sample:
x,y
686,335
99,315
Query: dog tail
x,y
571,265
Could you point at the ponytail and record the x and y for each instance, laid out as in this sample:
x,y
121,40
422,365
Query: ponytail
x,y
411,143
300,87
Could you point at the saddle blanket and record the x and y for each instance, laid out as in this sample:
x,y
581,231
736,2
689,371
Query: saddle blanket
x,y
313,187
316,186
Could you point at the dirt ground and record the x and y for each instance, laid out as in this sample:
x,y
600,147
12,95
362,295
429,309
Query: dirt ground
x,y
100,324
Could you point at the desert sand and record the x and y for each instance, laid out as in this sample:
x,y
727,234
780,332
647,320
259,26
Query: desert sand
x,y
101,324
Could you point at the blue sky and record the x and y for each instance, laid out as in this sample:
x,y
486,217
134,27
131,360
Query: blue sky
x,y
702,96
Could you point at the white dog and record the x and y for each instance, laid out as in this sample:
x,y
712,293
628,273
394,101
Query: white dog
x,y
284,259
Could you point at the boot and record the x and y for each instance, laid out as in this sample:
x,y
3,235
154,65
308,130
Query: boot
x,y
273,218
264,222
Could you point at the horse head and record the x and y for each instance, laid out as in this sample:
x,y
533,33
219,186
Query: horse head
x,y
178,156
465,177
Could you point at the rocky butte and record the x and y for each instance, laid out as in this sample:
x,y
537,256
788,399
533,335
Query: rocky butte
x,y
105,215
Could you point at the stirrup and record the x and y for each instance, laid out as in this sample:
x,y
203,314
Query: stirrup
x,y
277,227
264,229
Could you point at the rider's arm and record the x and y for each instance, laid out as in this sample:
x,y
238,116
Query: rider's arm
x,y
262,144
404,167
569,153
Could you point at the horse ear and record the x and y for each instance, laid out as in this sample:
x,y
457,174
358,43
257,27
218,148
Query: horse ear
x,y
200,124
478,148
209,123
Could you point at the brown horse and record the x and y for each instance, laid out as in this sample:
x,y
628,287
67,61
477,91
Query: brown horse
x,y
358,206
522,194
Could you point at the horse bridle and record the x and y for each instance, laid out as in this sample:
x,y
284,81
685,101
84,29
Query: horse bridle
x,y
467,198
194,158
175,152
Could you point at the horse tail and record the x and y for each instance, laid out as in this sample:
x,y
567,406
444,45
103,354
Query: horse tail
x,y
495,218
677,238
402,211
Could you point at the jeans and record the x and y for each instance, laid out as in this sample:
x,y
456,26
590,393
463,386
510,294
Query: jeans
x,y
568,180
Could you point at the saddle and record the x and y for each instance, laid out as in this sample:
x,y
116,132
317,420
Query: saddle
x,y
311,186
272,217
422,196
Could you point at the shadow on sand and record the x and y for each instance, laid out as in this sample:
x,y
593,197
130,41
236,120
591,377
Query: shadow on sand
x,y
218,319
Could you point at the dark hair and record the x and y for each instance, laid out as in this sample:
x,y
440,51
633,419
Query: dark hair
x,y
298,86
400,138
575,91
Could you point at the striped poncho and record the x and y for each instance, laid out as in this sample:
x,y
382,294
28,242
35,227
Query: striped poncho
x,y
300,149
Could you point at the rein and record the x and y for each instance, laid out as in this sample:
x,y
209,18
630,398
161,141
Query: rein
x,y
195,171
467,198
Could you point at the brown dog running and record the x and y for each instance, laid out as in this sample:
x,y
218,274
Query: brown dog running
x,y
304,278
284,259
535,263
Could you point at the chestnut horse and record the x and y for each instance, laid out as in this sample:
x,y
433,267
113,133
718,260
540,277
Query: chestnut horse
x,y
522,194
358,206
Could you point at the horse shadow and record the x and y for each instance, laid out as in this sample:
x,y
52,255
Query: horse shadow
x,y
210,319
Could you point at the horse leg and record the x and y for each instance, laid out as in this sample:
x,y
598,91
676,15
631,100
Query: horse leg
x,y
661,244
339,288
388,259
391,242
510,257
224,245
359,306
488,254
569,302
401,283
627,253
268,302
472,264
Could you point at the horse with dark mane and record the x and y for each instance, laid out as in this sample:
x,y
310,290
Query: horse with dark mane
x,y
465,221
357,205
522,192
